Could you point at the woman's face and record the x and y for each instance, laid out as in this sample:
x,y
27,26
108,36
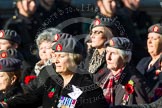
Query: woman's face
x,y
45,50
5,81
5,44
63,62
154,43
97,37
113,59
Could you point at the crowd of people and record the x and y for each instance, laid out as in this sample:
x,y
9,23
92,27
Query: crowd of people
x,y
45,64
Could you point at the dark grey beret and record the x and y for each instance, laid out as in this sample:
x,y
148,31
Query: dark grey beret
x,y
10,64
120,43
157,28
113,24
12,53
69,45
10,35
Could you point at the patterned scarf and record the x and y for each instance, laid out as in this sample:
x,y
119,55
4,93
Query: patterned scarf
x,y
108,87
96,61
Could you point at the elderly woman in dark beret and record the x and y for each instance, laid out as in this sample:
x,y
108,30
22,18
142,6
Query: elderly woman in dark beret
x,y
10,72
68,87
123,85
150,66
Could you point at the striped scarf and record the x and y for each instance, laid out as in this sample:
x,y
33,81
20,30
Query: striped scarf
x,y
108,87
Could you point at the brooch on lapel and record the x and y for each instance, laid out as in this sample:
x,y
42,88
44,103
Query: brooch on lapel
x,y
129,88
51,93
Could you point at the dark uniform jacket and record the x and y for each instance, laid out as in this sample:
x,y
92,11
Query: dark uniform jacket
x,y
153,80
53,95
13,91
139,95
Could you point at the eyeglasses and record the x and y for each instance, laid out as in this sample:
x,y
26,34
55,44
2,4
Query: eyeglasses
x,y
96,32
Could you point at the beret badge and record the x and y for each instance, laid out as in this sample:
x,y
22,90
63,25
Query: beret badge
x,y
97,22
1,33
3,55
155,28
56,37
111,43
59,47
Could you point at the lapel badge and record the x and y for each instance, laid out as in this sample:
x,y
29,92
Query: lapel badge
x,y
2,33
155,29
59,47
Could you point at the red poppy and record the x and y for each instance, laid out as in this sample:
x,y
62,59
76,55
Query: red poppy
x,y
51,93
129,88
29,78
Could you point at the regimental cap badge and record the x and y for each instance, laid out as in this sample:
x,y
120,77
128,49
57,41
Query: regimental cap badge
x,y
97,22
3,55
59,47
155,29
111,43
2,33
56,37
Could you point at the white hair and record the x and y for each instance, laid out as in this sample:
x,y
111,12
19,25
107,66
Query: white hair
x,y
126,55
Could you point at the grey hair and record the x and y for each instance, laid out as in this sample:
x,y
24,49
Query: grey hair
x,y
53,31
47,35
126,55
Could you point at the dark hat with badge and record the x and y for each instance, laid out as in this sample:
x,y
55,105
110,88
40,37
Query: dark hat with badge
x,y
61,36
101,22
120,43
157,28
113,24
10,35
10,64
12,53
68,44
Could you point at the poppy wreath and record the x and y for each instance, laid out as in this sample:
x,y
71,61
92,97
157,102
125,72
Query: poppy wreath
x,y
29,78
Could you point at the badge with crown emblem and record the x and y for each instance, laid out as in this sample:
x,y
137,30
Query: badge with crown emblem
x,y
59,47
56,37
111,43
97,22
1,33
3,54
155,28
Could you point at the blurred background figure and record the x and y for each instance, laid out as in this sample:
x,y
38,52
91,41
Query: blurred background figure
x,y
139,21
55,12
26,23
